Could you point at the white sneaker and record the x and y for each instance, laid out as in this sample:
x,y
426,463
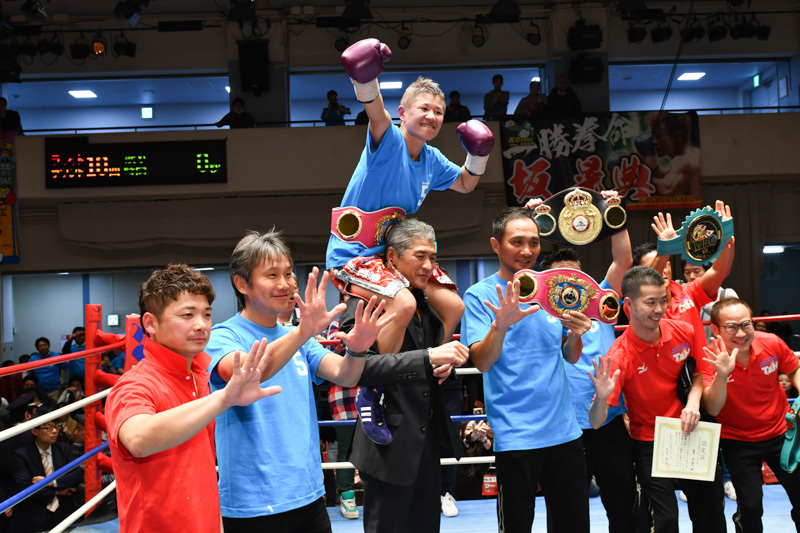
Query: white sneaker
x,y
348,505
449,505
682,496
730,492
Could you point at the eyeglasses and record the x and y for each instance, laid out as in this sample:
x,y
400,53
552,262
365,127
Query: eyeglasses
x,y
48,428
747,326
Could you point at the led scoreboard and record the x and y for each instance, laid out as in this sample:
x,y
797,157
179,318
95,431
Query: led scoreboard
x,y
74,162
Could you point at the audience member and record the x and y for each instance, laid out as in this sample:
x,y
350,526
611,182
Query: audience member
x,y
32,463
160,414
402,479
334,113
49,377
237,117
495,102
76,343
72,392
118,363
291,317
362,119
743,391
644,364
786,383
537,437
692,272
9,119
477,437
562,99
455,112
10,386
533,105
280,485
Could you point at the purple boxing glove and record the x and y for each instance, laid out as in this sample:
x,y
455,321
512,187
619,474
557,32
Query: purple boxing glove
x,y
363,62
478,140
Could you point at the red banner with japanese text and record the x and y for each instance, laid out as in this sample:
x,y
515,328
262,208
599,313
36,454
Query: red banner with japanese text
x,y
9,218
652,159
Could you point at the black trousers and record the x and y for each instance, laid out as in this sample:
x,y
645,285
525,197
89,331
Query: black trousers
x,y
561,471
744,462
706,499
414,508
312,518
609,458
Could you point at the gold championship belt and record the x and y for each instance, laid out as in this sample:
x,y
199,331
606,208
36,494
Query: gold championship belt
x,y
579,216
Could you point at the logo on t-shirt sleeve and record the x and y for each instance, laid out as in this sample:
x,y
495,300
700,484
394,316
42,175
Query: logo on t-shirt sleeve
x,y
681,352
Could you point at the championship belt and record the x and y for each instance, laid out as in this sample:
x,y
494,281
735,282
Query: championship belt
x,y
580,216
701,237
351,224
565,289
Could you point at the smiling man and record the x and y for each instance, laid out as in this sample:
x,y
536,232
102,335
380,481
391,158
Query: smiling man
x,y
743,391
522,353
160,413
644,364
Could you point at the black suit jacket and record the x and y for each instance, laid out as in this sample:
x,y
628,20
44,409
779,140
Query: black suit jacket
x,y
11,122
412,400
28,464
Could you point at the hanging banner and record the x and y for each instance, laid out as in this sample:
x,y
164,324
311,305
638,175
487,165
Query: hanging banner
x,y
9,218
652,159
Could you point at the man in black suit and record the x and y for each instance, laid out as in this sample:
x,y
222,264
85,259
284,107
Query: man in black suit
x,y
46,508
9,119
402,479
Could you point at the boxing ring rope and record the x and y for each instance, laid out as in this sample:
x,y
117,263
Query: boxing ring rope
x,y
98,342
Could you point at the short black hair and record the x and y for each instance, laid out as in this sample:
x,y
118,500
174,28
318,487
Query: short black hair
x,y
332,92
40,339
237,100
558,255
505,216
497,76
455,93
634,278
641,251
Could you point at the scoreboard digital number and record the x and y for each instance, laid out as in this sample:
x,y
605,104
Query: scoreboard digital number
x,y
74,162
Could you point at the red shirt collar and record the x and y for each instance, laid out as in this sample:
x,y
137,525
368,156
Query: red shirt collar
x,y
170,362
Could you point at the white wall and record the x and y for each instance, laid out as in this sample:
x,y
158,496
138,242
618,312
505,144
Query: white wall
x,y
678,99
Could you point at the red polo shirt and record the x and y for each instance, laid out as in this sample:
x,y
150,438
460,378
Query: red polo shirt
x,y
649,374
685,304
756,402
175,489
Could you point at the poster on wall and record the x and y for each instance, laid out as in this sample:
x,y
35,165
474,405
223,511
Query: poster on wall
x,y
652,159
9,218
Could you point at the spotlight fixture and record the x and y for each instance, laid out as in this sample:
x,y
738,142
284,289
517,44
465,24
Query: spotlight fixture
x,y
717,31
26,49
636,34
503,12
80,49
744,29
405,38
36,9
98,45
130,9
53,46
660,34
356,10
341,44
123,47
763,33
243,11
478,36
584,37
535,35
693,33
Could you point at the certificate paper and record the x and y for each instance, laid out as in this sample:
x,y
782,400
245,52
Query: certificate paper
x,y
692,456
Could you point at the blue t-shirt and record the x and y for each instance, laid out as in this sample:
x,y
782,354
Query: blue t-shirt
x,y
78,366
388,177
268,452
49,376
526,391
596,343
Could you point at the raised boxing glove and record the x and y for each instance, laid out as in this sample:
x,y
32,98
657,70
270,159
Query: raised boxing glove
x,y
363,62
478,140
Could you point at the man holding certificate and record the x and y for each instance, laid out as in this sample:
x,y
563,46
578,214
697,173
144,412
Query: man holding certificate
x,y
743,391
644,363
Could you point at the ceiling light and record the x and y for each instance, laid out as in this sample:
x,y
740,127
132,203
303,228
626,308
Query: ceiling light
x,y
341,44
693,34
391,85
83,94
228,89
204,269
98,45
535,35
147,113
773,249
691,76
660,34
636,34
405,38
717,32
537,79
478,36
